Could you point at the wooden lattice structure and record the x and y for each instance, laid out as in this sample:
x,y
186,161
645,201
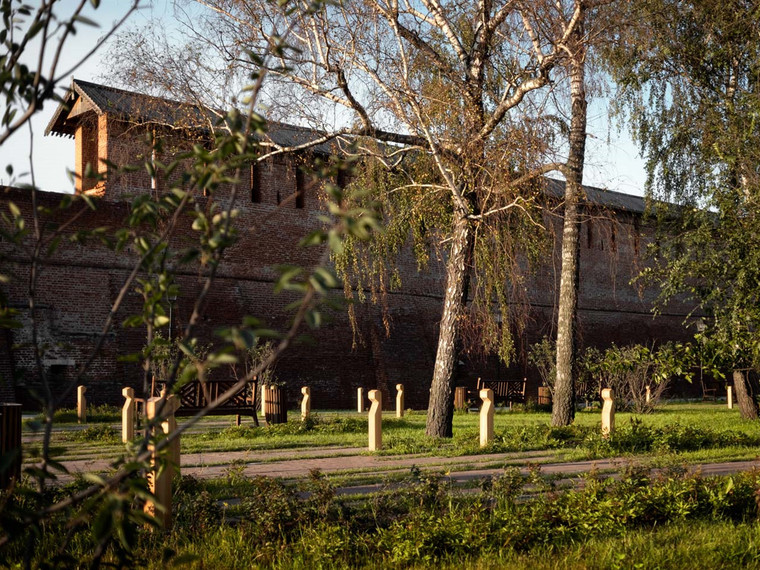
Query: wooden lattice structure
x,y
507,391
195,396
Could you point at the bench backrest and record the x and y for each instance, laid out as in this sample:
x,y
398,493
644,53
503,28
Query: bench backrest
x,y
504,388
193,397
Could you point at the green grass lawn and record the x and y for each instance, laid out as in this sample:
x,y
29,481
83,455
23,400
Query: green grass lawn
x,y
640,520
683,545
670,519
691,431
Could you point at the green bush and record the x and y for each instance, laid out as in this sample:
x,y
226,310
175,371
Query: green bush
x,y
271,509
102,433
103,413
420,524
194,510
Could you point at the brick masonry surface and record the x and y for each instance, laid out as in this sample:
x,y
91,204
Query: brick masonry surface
x,y
78,285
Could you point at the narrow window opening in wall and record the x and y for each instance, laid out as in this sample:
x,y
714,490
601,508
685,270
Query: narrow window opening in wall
x,y
613,237
255,183
57,374
636,232
300,187
589,235
278,197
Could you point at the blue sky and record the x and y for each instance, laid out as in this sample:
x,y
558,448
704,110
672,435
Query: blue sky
x,y
612,159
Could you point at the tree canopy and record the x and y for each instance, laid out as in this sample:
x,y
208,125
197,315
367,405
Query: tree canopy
x,y
691,85
457,86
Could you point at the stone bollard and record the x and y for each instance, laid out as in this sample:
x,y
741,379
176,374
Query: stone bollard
x,y
360,400
730,397
608,413
128,415
375,420
486,417
649,394
160,479
306,402
399,400
81,405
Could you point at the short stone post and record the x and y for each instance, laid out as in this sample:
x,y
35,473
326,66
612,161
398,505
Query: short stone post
x,y
649,394
608,413
128,415
306,402
399,400
486,417
160,479
375,420
730,397
360,400
81,405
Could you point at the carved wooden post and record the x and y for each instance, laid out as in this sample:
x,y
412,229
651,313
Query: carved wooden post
x,y
649,394
306,402
81,405
128,415
399,400
730,397
375,420
160,480
486,417
360,400
169,425
608,413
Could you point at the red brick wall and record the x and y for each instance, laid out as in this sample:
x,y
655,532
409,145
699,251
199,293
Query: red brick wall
x,y
77,287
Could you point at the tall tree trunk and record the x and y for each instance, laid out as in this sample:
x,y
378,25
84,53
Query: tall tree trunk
x,y
441,405
563,410
747,404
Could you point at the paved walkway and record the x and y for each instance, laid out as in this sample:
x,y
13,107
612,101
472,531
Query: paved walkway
x,y
298,463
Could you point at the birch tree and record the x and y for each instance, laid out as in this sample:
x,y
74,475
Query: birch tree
x,y
563,402
455,83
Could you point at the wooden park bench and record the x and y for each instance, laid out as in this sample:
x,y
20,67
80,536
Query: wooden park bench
x,y
194,397
507,391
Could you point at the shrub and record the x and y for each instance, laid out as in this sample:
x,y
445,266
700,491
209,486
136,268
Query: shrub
x,y
270,509
629,370
195,511
101,433
543,356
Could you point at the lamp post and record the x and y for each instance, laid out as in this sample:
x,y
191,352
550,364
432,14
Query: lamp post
x,y
701,328
172,299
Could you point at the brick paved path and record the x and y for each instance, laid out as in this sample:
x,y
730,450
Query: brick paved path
x,y
296,464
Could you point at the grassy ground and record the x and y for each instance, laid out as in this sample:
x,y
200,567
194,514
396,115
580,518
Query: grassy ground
x,y
417,520
681,545
669,520
693,431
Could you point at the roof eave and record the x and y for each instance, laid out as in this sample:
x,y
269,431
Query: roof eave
x,y
57,125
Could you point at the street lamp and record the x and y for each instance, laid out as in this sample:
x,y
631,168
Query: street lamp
x,y
172,299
